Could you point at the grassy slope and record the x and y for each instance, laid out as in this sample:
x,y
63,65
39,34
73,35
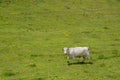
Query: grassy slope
x,y
33,32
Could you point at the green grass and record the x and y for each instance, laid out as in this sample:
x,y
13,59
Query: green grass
x,y
33,33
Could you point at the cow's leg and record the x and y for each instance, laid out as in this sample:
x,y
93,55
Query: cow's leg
x,y
83,59
69,58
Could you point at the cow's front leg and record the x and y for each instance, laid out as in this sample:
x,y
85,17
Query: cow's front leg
x,y
69,58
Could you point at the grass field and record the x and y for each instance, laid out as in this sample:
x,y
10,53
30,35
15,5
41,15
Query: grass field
x,y
33,33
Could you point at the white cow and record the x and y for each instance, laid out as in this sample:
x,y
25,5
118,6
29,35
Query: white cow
x,y
77,52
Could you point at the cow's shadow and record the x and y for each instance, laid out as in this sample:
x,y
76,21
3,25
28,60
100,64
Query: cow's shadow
x,y
81,63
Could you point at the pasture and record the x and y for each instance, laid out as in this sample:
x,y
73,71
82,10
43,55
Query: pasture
x,y
33,33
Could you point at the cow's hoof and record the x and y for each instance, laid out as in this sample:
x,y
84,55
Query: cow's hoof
x,y
68,63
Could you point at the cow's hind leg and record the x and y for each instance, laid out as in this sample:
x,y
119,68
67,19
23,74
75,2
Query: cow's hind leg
x,y
83,61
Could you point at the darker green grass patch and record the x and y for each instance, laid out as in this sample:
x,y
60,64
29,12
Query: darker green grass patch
x,y
117,39
86,71
102,65
7,1
55,77
67,7
112,44
36,55
115,53
118,0
105,28
38,78
42,1
86,32
32,65
102,57
9,73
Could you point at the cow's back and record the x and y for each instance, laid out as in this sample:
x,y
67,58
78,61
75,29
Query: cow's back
x,y
78,51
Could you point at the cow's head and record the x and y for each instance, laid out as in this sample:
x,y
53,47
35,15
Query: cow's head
x,y
66,50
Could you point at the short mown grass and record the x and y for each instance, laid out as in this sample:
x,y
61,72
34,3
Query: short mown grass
x,y
33,33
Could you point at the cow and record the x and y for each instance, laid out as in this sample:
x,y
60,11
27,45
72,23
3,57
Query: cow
x,y
77,52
